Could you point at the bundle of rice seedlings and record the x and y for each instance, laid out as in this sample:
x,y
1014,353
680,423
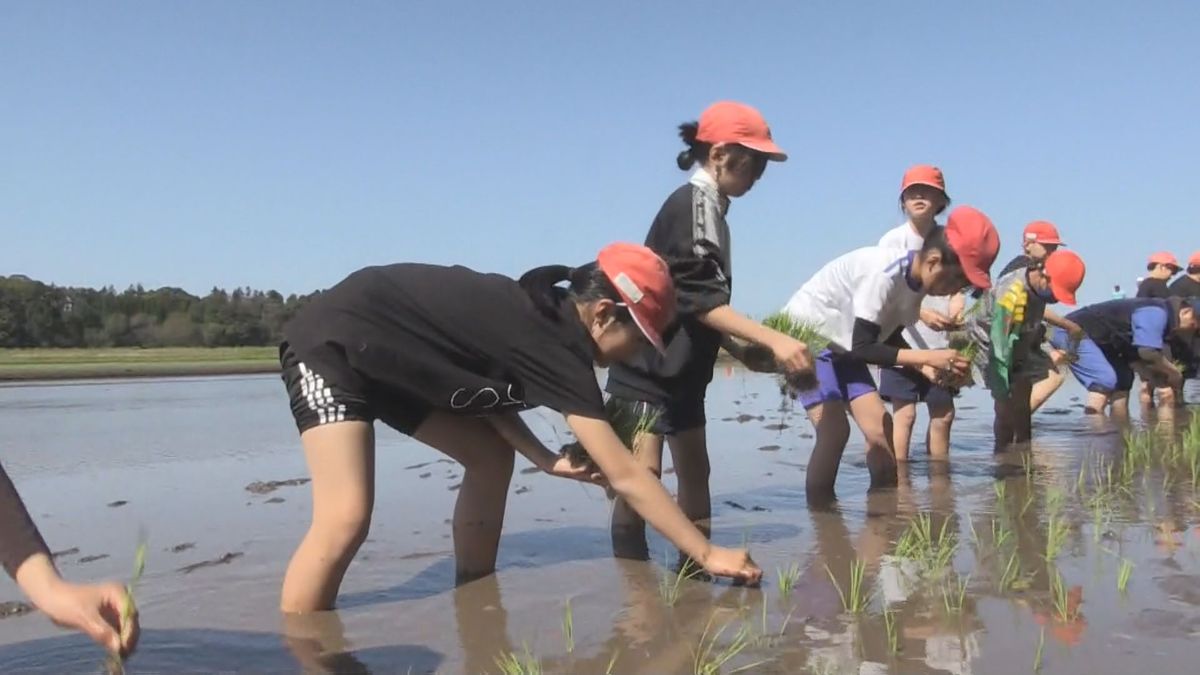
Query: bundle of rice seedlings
x,y
115,664
805,332
629,422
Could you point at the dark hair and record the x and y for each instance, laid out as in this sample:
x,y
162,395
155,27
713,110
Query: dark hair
x,y
697,151
1150,266
1193,269
936,241
585,284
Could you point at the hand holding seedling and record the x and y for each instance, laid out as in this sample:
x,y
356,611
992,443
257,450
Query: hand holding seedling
x,y
791,355
731,562
938,321
587,472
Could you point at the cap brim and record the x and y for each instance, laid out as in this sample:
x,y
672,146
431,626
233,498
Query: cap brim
x,y
1061,294
652,336
926,183
978,278
768,148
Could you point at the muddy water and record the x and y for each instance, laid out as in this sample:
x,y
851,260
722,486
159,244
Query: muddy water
x,y
96,462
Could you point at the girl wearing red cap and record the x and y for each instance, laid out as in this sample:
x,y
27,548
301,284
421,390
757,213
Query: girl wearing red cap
x,y
732,145
1008,327
922,197
862,302
1160,268
1188,285
449,356
94,610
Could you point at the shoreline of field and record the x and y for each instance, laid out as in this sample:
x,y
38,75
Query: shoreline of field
x,y
45,365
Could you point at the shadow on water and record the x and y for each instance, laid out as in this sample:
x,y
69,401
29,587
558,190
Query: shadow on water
x,y
312,644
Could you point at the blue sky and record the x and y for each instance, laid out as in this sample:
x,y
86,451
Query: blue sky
x,y
283,145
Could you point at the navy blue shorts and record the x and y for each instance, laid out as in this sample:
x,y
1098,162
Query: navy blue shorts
x,y
673,417
906,384
838,379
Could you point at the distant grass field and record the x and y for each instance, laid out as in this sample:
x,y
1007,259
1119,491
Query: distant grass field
x,y
59,364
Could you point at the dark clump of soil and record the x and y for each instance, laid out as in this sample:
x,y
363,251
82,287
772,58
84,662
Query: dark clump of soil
x,y
522,490
14,608
777,427
58,554
261,488
223,560
530,469
769,448
180,548
427,474
417,466
275,500
732,504
92,558
119,502
743,418
454,487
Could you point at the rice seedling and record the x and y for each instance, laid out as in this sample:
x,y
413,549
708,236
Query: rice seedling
x,y
1001,488
670,586
612,663
787,578
1124,573
709,660
854,598
525,663
1041,649
1057,531
1012,571
568,627
116,664
954,594
1054,501
889,626
1065,610
919,543
819,665
628,423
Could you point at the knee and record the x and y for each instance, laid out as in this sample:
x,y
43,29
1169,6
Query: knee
x,y
345,527
905,416
497,462
941,420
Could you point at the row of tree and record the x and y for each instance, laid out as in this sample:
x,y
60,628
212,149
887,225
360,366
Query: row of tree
x,y
34,314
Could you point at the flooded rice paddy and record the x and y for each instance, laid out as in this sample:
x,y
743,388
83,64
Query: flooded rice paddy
x,y
1080,557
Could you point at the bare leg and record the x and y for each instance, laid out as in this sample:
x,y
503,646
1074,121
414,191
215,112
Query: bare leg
x,y
1044,389
1096,403
1120,404
1022,417
941,418
341,461
487,461
1002,425
876,426
833,430
689,454
1166,403
904,417
628,530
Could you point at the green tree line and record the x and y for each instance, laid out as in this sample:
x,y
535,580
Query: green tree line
x,y
34,314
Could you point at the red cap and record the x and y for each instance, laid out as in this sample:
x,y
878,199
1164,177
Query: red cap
x,y
1194,261
732,122
1042,232
1164,258
975,240
924,174
644,283
1065,269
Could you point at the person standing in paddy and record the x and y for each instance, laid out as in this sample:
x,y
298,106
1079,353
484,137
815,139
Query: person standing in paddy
x,y
922,198
1188,285
1039,240
1124,335
1160,268
449,356
1008,328
731,144
862,301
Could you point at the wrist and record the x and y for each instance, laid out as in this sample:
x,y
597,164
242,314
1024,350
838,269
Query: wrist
x,y
39,579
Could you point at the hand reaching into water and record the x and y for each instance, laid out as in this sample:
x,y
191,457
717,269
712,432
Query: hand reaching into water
x,y
586,473
732,562
94,610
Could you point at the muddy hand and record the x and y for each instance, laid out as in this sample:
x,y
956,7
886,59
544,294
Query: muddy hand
x,y
95,610
586,473
732,562
792,356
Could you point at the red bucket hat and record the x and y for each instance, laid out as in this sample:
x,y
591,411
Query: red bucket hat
x,y
733,122
644,284
975,240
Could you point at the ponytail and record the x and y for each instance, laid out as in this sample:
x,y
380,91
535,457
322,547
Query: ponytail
x,y
587,283
696,151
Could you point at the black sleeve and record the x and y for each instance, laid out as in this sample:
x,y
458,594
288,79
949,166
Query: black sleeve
x,y
555,376
19,537
695,261
865,344
699,285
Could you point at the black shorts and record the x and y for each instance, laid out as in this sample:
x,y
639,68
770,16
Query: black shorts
x,y
906,384
336,393
673,417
